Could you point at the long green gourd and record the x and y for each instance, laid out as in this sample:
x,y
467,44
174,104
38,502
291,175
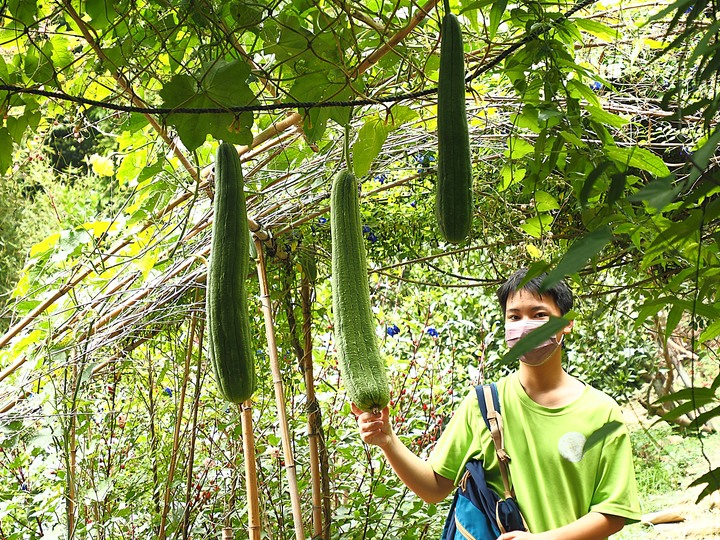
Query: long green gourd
x,y
453,195
361,366
228,323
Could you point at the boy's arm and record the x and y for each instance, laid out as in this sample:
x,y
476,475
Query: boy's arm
x,y
412,470
592,526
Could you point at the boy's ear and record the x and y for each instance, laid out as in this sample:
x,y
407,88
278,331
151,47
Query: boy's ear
x,y
569,327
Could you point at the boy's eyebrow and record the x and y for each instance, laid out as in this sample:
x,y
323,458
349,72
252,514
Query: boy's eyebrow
x,y
538,307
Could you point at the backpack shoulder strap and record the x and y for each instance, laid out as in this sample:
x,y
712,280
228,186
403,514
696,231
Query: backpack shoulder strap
x,y
482,401
489,402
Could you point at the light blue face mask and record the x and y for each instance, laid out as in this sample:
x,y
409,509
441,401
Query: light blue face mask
x,y
516,330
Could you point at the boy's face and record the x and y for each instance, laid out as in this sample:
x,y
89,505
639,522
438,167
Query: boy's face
x,y
524,305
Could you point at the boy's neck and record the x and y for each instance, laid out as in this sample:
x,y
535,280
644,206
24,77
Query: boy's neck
x,y
549,385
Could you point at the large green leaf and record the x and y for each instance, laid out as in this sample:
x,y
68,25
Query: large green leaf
x,y
222,85
367,146
639,158
497,11
577,256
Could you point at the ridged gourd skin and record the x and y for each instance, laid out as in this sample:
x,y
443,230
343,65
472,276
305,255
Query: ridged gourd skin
x,y
361,367
230,340
453,195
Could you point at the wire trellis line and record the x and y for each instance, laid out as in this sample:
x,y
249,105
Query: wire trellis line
x,y
304,105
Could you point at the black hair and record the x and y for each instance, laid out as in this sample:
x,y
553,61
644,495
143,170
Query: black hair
x,y
559,292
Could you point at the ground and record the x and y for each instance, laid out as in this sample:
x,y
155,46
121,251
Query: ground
x,y
687,457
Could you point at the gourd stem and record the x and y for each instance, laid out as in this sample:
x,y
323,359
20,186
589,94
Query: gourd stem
x,y
446,5
346,147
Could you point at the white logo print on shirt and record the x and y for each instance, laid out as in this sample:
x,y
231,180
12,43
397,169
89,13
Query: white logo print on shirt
x,y
571,446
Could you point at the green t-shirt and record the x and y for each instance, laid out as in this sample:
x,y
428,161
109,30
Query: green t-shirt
x,y
555,483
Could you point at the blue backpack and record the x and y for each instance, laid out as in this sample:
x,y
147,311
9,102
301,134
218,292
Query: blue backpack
x,y
477,512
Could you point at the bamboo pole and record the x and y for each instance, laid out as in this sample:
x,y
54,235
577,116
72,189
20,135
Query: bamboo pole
x,y
321,527
251,483
279,392
377,54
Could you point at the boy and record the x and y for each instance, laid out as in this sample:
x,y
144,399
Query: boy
x,y
566,489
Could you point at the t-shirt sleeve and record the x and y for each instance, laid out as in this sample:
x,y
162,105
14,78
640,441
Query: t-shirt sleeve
x,y
459,440
616,488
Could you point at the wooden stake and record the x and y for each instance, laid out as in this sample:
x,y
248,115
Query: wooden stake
x,y
279,392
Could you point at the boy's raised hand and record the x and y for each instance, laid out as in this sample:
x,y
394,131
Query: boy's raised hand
x,y
374,428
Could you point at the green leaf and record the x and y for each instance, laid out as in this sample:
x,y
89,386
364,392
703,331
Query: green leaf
x,y
23,11
537,225
6,150
544,202
367,146
640,158
700,395
617,187
510,175
496,14
658,193
535,338
712,479
703,418
518,147
711,332
578,90
673,319
604,117
597,29
401,114
591,179
223,84
101,12
674,239
701,157
582,250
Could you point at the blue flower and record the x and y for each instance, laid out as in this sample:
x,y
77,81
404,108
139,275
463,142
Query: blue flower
x,y
322,220
392,330
366,229
168,391
432,332
413,204
372,237
596,85
381,178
